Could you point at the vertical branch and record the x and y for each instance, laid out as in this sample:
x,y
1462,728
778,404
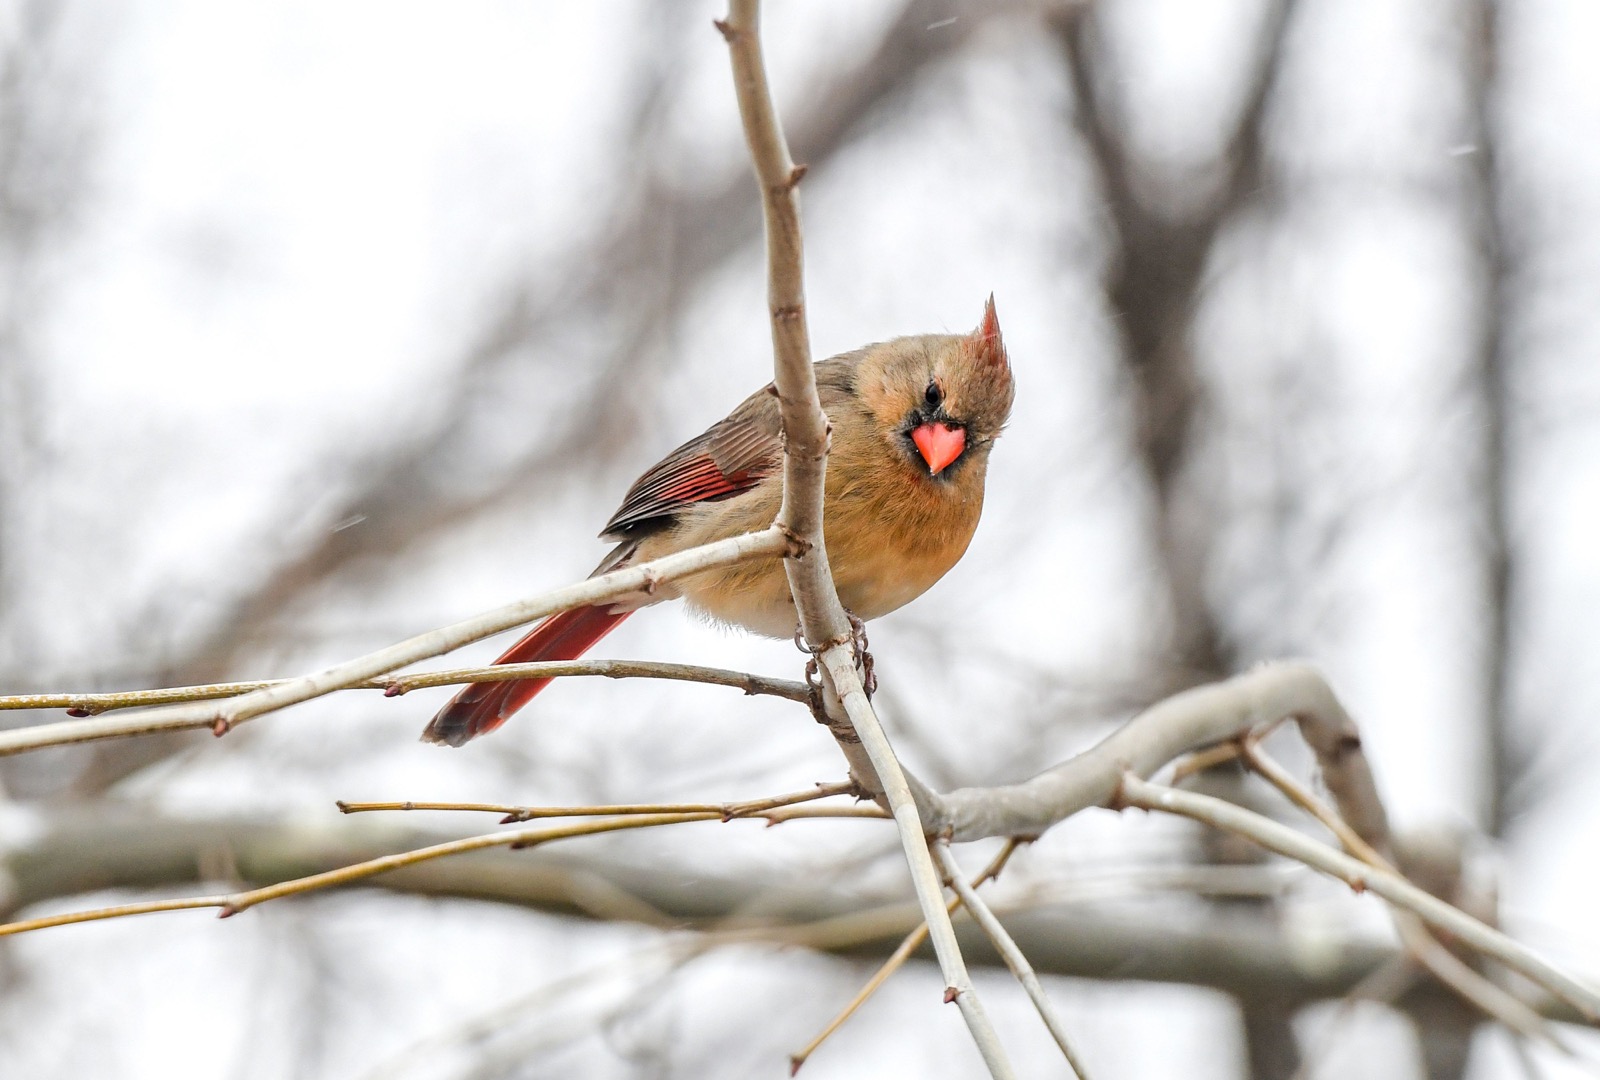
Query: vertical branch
x,y
1444,1026
1506,762
805,425
805,428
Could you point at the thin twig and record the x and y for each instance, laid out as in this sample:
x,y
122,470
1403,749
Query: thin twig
x,y
1201,760
1361,877
619,818
1013,956
768,543
908,945
1297,793
728,811
868,811
395,685
753,685
93,704
233,903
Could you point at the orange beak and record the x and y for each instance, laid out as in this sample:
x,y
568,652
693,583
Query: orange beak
x,y
939,445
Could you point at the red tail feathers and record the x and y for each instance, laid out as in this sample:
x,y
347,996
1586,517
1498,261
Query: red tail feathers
x,y
483,707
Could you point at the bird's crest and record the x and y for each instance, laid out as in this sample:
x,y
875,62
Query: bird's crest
x,y
985,342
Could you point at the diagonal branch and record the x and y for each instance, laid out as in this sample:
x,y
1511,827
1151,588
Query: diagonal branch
x,y
220,718
1199,717
1362,877
1468,984
1014,957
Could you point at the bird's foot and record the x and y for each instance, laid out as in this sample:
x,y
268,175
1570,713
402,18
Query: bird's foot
x,y
858,642
858,639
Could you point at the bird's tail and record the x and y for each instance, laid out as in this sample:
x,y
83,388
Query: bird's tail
x,y
481,707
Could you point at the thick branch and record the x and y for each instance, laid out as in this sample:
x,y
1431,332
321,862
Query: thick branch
x,y
138,850
1187,721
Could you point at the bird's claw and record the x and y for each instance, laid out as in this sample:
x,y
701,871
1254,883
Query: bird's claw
x,y
858,642
858,639
818,707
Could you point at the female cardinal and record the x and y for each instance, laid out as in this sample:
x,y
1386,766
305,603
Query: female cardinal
x,y
913,420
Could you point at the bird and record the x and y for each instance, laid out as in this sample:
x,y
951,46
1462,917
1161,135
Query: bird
x,y
912,423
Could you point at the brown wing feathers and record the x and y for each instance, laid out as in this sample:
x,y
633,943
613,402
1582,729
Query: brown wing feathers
x,y
732,456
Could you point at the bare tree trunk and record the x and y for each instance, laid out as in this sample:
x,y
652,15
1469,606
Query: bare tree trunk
x,y
1153,285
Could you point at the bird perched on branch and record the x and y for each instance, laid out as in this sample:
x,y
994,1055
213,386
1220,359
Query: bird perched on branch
x,y
913,421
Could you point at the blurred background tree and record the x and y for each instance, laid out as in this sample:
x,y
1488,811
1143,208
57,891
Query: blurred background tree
x,y
326,323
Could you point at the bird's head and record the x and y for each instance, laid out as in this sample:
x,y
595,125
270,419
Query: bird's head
x,y
940,400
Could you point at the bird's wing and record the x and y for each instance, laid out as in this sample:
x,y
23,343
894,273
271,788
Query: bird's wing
x,y
733,455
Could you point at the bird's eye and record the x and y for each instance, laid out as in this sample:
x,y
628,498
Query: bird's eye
x,y
934,396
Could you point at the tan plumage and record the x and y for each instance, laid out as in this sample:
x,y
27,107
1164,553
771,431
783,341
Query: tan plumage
x,y
913,422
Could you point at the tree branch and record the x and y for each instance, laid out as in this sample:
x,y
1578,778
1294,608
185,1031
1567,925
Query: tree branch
x,y
136,849
395,685
644,577
1468,984
805,427
1014,957
1362,877
1195,718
